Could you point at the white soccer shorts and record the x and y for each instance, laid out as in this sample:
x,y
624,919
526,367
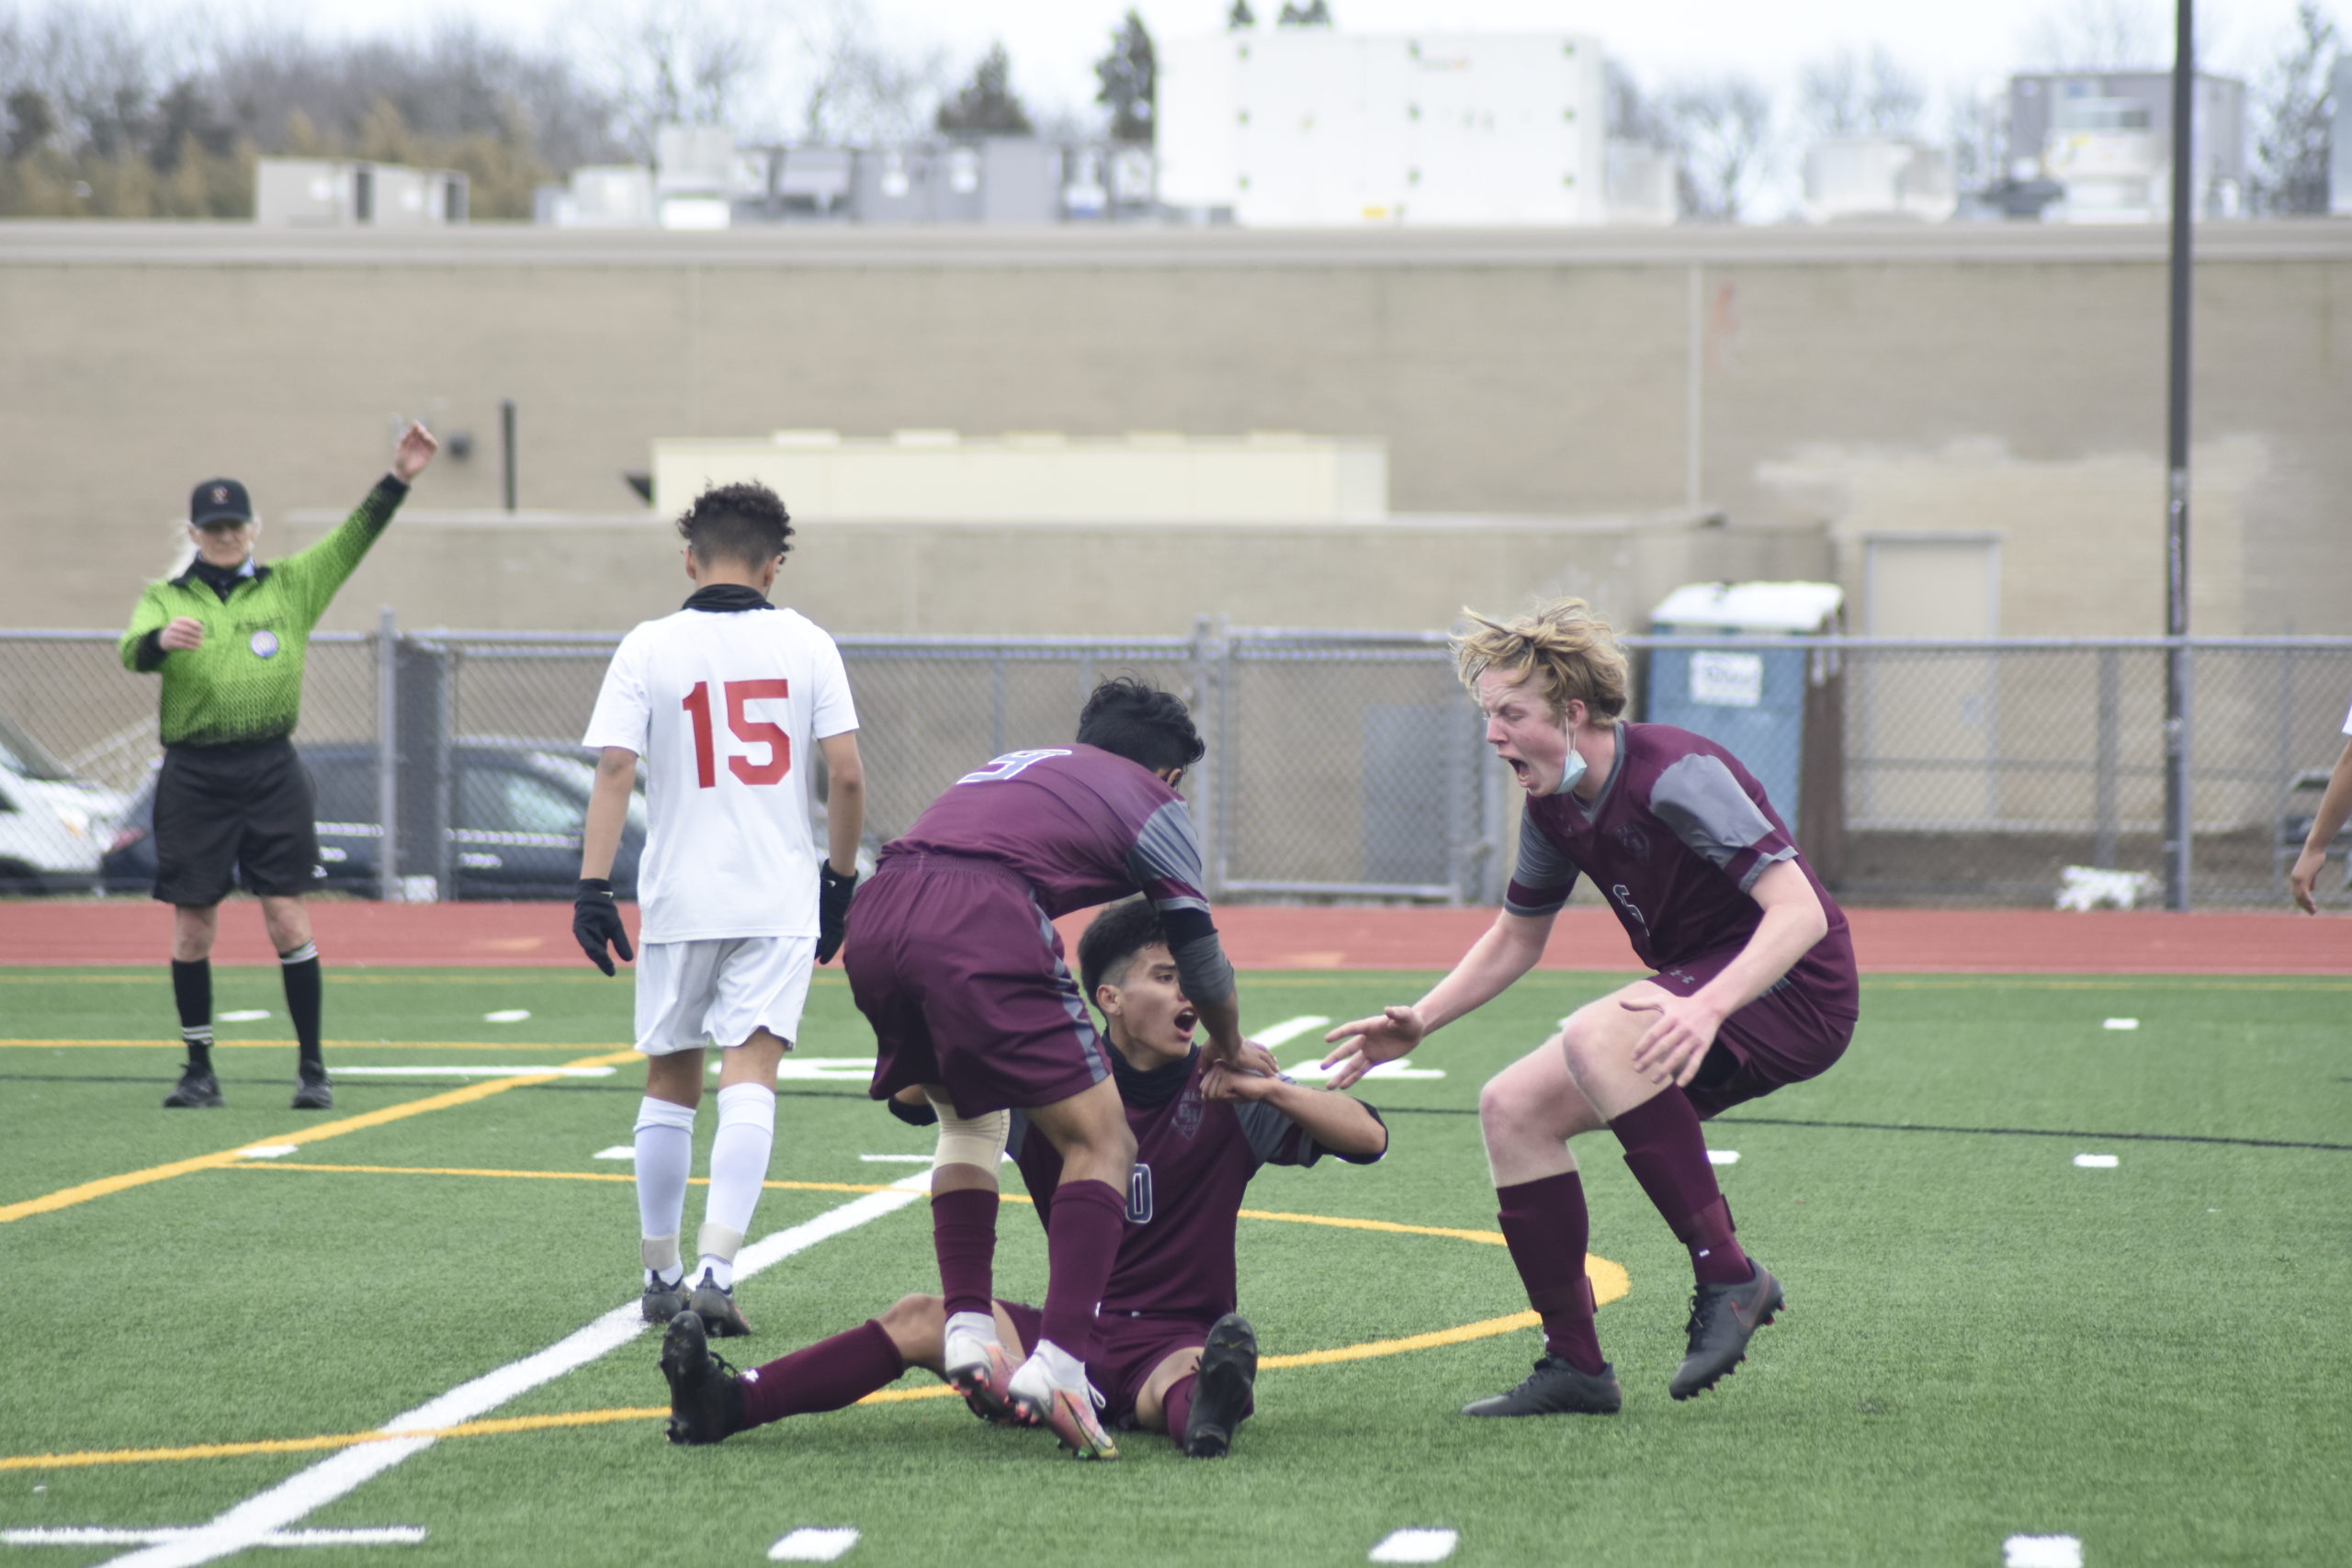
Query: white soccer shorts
x,y
691,994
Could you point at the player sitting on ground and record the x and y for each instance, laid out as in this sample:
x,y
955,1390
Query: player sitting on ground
x,y
954,959
1174,1355
1755,989
722,700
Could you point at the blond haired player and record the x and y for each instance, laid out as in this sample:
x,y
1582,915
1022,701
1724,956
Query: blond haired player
x,y
1754,989
728,701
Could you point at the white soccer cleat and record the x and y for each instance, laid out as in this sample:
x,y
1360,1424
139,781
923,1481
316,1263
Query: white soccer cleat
x,y
978,1367
1069,1412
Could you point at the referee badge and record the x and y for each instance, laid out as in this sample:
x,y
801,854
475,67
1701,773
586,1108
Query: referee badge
x,y
264,643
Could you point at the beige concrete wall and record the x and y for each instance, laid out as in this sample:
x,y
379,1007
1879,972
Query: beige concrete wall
x,y
2001,372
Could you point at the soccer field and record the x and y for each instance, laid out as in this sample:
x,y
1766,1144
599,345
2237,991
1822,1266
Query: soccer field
x,y
1989,1336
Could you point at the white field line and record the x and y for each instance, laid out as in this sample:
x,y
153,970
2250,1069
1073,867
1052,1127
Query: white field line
x,y
2041,1551
1285,1032
1723,1156
1415,1546
506,1015
1404,1068
266,1513
394,1535
813,1544
619,1151
2122,1024
245,1015
816,1069
2097,1162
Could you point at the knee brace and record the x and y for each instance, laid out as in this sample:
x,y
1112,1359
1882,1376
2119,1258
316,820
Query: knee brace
x,y
970,1140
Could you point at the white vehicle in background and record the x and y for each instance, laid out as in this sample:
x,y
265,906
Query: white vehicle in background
x,y
53,826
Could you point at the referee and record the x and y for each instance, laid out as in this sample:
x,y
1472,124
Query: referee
x,y
229,637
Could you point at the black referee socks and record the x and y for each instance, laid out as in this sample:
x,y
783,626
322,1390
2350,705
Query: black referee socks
x,y
192,990
301,968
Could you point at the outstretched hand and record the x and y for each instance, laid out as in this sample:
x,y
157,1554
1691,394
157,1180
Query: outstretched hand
x,y
415,450
1363,1043
1221,1082
1676,1042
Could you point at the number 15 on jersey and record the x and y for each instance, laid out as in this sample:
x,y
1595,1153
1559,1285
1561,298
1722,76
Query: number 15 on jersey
x,y
744,728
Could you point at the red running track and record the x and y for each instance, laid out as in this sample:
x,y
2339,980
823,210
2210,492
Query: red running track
x,y
1965,942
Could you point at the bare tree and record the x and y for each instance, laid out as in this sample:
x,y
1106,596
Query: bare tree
x,y
1631,116
682,63
2099,35
2293,114
1722,127
1847,94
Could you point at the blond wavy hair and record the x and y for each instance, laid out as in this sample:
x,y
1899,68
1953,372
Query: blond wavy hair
x,y
1569,651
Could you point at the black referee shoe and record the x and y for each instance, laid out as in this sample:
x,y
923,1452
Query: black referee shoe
x,y
1723,1319
196,1087
314,1091
1555,1388
1221,1397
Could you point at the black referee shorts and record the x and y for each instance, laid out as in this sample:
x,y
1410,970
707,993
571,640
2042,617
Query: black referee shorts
x,y
218,808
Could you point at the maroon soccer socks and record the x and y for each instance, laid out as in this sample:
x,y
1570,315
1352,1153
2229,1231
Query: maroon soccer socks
x,y
1082,1244
829,1375
1544,1224
963,1232
1666,1149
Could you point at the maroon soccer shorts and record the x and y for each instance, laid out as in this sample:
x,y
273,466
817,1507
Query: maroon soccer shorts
x,y
1128,1350
961,975
1792,1032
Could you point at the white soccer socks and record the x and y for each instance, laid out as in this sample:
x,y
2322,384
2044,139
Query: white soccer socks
x,y
739,1166
665,1155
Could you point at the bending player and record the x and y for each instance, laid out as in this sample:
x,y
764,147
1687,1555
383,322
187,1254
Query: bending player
x,y
722,700
954,959
1755,989
1174,1355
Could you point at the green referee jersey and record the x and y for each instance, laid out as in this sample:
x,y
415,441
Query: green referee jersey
x,y
246,682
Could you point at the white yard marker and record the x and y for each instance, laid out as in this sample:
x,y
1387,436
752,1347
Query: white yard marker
x,y
245,1015
809,1544
2120,1023
394,1535
619,1151
896,1159
821,1070
264,1514
506,1015
437,1071
1416,1546
2091,1162
1288,1029
267,1151
1400,1069
1723,1156
2041,1551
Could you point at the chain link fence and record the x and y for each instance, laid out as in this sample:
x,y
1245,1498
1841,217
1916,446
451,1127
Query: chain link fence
x,y
1340,765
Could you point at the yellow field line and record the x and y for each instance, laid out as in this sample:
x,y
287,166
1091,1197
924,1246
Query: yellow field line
x,y
65,1198
331,1045
1492,1238
1365,1352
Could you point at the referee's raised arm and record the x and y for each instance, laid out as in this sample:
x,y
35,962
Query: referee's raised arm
x,y
229,636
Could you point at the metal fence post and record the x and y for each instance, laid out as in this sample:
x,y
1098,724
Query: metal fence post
x,y
1209,790
2103,807
2183,826
388,767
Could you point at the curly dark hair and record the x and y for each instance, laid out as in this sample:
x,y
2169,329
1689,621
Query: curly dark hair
x,y
744,522
1130,717
1113,938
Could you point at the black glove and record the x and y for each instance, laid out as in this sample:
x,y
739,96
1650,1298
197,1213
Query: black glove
x,y
833,891
919,1114
596,920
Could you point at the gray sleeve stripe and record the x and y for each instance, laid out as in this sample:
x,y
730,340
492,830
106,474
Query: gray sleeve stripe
x,y
1203,970
1747,882
1165,905
1697,797
1541,864
1265,1127
1167,849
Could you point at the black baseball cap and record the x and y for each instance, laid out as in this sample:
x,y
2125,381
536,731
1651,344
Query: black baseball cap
x,y
220,500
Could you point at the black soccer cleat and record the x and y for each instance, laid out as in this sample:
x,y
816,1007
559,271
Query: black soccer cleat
x,y
706,1394
717,1309
662,1302
1221,1398
1723,1319
196,1087
314,1091
1555,1388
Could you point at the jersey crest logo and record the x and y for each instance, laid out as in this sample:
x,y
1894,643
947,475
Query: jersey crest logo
x,y
1633,842
1139,1208
1186,1122
264,643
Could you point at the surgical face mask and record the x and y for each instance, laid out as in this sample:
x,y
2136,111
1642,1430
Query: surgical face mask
x,y
1571,765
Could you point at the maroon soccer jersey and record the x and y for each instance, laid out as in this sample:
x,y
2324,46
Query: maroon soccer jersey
x,y
1083,827
1193,1161
1677,839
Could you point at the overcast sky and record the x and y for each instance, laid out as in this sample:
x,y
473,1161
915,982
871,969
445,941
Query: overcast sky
x,y
1054,43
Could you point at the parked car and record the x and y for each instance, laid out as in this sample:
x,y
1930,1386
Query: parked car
x,y
52,825
516,811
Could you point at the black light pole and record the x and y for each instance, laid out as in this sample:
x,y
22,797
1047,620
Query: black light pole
x,y
2176,801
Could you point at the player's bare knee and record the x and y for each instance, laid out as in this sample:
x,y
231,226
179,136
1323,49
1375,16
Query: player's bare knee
x,y
918,1328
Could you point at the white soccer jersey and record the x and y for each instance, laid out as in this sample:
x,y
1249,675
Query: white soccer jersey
x,y
726,707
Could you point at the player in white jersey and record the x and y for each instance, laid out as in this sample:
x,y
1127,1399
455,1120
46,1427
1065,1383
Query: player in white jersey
x,y
726,701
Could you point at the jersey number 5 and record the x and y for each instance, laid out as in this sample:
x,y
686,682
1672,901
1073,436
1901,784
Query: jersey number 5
x,y
757,732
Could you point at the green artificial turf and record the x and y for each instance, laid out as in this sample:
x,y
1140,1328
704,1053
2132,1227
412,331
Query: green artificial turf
x,y
1982,1338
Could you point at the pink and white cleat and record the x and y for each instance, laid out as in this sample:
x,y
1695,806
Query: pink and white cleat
x,y
1069,1412
978,1369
